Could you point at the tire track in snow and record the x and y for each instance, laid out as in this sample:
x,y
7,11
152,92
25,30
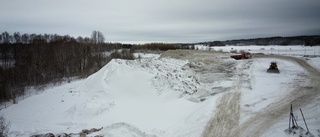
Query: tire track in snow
x,y
226,117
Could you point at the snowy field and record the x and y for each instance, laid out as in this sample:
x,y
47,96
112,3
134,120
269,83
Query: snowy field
x,y
165,97
298,50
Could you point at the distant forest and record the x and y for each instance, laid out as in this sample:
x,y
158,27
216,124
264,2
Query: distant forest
x,y
297,40
34,60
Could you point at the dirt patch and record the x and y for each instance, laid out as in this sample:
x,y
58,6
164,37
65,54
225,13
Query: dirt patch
x,y
226,117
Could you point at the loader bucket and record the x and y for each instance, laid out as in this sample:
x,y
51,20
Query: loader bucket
x,y
273,71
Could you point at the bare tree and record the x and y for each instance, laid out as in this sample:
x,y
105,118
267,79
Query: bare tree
x,y
25,38
94,37
17,37
97,37
6,37
100,38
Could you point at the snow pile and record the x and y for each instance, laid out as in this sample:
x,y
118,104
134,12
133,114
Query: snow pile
x,y
168,74
146,55
143,97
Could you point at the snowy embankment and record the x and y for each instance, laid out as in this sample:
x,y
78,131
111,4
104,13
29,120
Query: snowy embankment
x,y
160,97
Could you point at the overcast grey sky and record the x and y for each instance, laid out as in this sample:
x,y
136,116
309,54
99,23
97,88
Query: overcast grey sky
x,y
162,20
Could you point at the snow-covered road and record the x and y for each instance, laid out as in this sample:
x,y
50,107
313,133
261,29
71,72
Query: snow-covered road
x,y
302,94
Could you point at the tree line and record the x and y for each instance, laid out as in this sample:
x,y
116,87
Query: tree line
x,y
96,38
284,41
35,60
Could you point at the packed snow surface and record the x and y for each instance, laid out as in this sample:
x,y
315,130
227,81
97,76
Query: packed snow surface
x,y
161,97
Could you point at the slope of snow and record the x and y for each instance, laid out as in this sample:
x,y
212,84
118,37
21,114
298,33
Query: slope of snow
x,y
123,95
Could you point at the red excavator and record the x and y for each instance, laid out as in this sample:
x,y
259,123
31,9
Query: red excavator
x,y
243,55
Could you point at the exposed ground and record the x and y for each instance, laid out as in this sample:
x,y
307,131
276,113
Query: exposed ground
x,y
227,116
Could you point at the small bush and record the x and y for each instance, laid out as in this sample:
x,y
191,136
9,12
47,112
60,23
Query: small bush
x,y
123,54
4,127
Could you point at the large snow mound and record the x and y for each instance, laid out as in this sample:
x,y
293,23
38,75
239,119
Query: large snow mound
x,y
141,96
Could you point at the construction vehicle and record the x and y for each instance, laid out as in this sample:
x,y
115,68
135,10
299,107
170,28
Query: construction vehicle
x,y
273,68
243,55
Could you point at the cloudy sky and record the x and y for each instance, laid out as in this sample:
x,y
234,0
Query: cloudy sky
x,y
162,20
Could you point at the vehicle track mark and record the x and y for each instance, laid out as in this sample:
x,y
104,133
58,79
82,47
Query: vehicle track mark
x,y
226,117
